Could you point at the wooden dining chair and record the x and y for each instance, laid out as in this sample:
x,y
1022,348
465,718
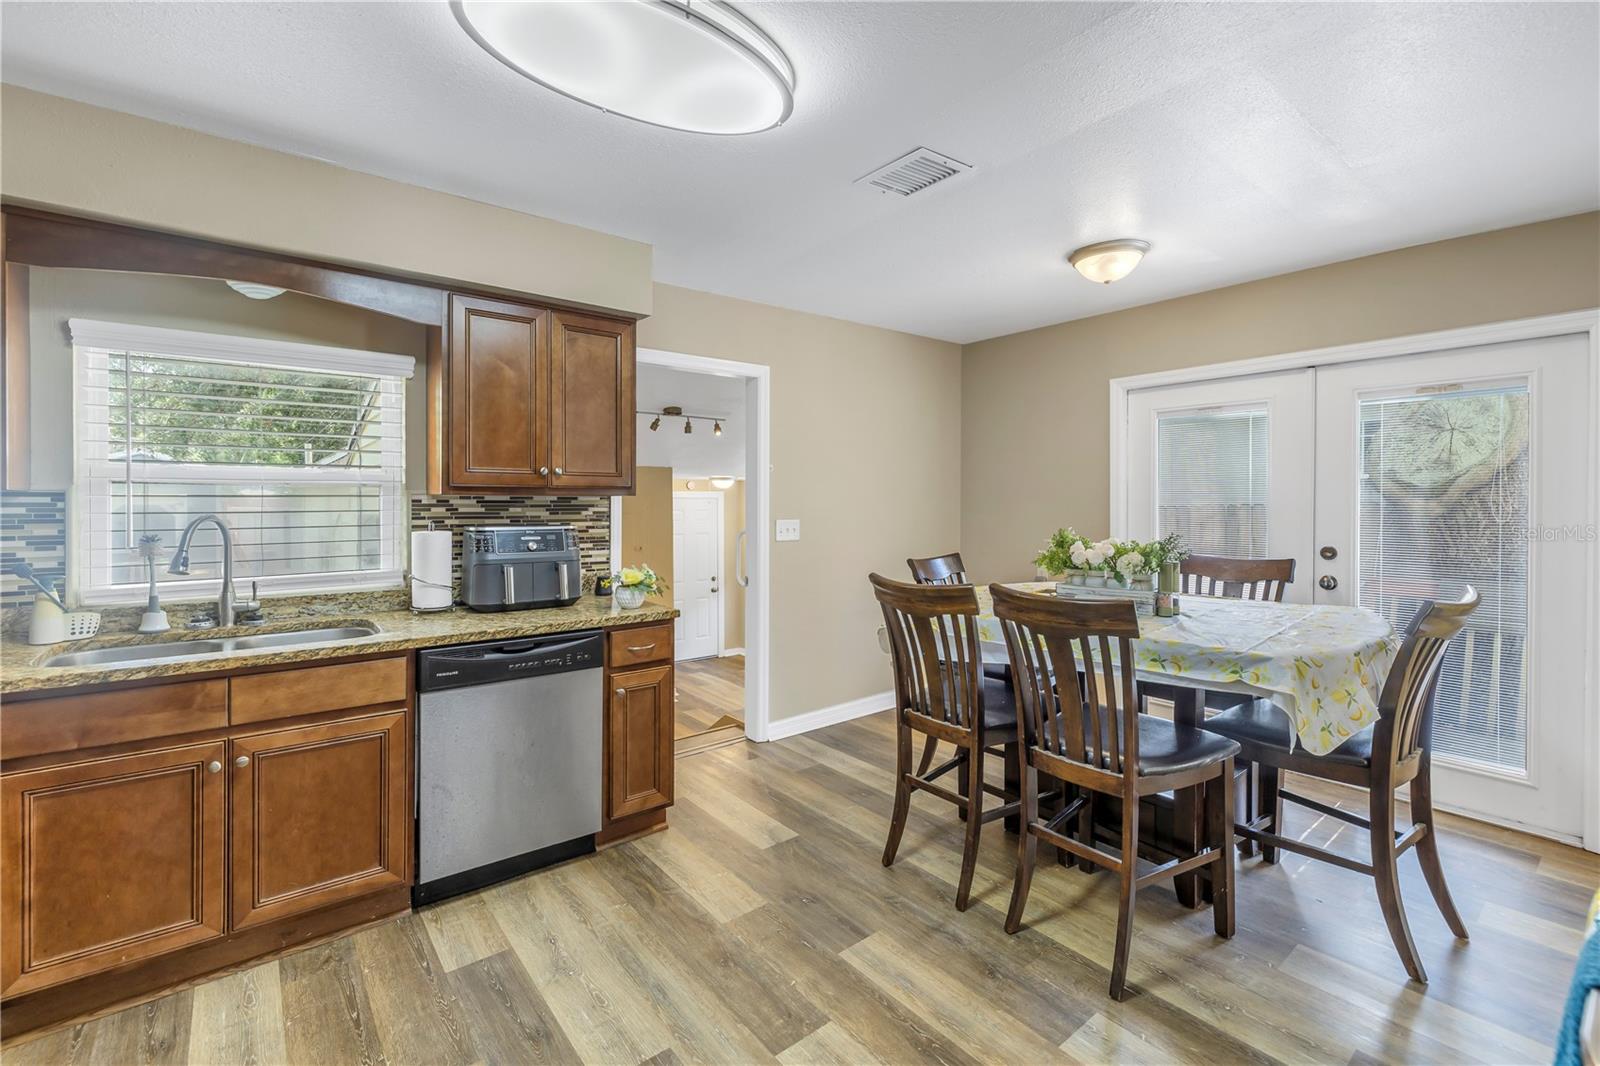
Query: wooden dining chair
x,y
1236,579
947,570
941,692
1094,738
1391,752
939,570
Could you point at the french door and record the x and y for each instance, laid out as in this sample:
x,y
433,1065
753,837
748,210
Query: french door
x,y
1397,480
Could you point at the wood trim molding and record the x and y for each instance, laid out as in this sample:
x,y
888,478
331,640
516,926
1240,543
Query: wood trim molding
x,y
16,468
39,238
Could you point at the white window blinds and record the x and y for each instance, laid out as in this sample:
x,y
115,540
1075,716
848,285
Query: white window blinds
x,y
300,449
1444,504
1211,480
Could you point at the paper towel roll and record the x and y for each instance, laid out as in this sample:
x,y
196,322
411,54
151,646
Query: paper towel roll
x,y
431,587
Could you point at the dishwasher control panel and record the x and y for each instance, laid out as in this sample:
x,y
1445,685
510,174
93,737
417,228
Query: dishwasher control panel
x,y
483,664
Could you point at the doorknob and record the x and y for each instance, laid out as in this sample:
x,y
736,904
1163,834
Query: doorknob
x,y
1328,581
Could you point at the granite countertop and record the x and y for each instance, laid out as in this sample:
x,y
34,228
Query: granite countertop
x,y
21,668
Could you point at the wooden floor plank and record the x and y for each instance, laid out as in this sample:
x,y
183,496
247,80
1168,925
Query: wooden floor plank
x,y
712,885
239,1019
509,1020
463,930
1558,936
413,1003
832,1045
326,1014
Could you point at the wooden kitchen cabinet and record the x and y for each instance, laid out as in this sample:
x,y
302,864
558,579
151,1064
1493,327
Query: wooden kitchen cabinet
x,y
639,748
529,400
319,815
499,395
591,403
110,861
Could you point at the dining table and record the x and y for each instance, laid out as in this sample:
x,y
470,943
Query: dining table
x,y
1322,665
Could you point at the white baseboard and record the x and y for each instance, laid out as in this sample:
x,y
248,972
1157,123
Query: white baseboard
x,y
796,724
732,651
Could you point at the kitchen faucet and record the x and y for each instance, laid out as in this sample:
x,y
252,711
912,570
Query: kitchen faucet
x,y
227,607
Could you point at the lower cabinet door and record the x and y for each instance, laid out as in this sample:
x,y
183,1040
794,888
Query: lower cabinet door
x,y
639,753
319,815
110,861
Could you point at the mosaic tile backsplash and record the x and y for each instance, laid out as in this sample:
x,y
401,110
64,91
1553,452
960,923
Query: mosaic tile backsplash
x,y
33,529
589,516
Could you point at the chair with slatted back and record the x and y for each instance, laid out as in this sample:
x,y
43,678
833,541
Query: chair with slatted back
x,y
939,570
1235,579
947,570
941,692
1094,737
1393,751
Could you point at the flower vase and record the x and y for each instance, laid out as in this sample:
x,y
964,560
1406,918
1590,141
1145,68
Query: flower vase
x,y
1142,582
1073,577
1095,579
629,597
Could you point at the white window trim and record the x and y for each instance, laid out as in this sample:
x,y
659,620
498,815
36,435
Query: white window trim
x,y
91,478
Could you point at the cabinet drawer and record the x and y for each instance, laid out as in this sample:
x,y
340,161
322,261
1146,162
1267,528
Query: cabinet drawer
x,y
646,644
286,693
69,723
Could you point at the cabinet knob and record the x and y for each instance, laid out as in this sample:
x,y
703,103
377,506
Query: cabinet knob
x,y
622,693
544,471
214,766
243,760
558,471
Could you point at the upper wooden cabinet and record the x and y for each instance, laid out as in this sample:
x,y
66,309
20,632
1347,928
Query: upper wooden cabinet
x,y
531,400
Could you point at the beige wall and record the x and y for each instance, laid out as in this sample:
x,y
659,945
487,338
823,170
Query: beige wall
x,y
866,446
732,521
647,523
195,304
88,160
1035,405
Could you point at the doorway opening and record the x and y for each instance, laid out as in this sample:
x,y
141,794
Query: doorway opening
x,y
694,518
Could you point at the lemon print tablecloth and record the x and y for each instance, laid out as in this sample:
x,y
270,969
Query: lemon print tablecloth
x,y
1322,665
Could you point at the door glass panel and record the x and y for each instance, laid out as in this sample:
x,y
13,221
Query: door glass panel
x,y
1211,480
1444,502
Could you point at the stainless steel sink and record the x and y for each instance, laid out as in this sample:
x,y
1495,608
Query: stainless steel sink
x,y
303,636
139,654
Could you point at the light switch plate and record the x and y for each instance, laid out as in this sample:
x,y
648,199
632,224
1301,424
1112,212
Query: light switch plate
x,y
788,529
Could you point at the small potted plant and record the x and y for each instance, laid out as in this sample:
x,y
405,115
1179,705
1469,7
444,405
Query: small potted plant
x,y
1063,556
632,584
1133,566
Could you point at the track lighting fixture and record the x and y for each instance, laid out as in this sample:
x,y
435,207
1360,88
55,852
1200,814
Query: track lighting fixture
x,y
716,428
688,420
655,423
688,426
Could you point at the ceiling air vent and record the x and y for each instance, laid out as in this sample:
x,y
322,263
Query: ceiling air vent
x,y
913,172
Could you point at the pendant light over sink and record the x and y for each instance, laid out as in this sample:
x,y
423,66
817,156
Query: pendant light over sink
x,y
696,66
1109,261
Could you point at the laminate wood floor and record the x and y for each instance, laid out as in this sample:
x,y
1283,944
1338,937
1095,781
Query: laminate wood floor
x,y
710,693
762,927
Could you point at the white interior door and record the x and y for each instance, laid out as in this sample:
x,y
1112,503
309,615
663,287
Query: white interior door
x,y
697,572
1471,467
1226,464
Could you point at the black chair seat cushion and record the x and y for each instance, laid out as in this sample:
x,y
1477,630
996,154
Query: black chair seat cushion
x,y
1167,749
1261,723
999,705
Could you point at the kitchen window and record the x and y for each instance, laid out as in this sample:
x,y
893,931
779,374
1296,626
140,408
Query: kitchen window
x,y
299,448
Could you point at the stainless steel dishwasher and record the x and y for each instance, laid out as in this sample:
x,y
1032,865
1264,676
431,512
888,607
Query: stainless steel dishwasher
x,y
508,766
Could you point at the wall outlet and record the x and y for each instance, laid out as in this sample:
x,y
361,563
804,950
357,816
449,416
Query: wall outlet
x,y
788,529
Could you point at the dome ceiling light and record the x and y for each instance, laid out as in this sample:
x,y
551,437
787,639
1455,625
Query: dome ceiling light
x,y
1109,261
692,65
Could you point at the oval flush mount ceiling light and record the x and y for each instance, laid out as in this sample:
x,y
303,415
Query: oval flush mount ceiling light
x,y
697,66
255,290
1109,261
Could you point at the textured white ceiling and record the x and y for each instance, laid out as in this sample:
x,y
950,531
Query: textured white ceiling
x,y
697,454
1243,140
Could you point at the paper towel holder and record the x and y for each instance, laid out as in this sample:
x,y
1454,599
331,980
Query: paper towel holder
x,y
407,576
